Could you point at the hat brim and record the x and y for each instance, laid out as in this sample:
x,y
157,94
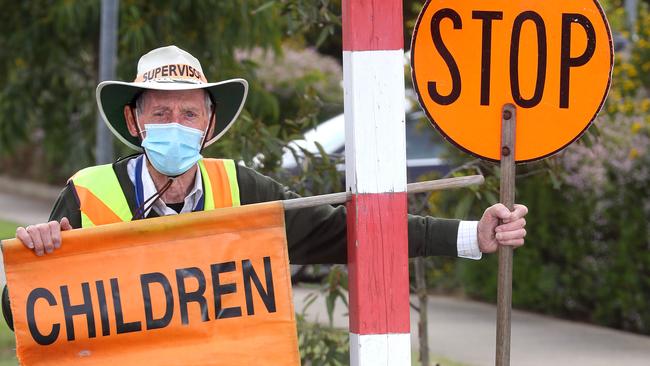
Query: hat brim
x,y
112,96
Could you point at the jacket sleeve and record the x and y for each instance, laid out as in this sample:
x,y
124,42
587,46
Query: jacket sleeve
x,y
67,205
318,234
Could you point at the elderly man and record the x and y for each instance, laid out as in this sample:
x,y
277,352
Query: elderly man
x,y
169,114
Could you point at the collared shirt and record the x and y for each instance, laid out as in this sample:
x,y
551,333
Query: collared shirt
x,y
149,189
466,242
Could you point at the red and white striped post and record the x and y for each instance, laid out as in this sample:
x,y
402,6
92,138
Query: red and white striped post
x,y
373,73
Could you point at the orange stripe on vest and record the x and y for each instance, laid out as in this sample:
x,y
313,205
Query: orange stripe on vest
x,y
220,183
98,212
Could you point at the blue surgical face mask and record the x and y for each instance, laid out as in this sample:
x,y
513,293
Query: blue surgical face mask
x,y
172,148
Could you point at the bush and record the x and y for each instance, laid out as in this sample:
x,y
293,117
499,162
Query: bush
x,y
322,345
586,256
587,251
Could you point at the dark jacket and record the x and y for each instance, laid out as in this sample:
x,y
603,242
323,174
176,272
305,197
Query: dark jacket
x,y
314,235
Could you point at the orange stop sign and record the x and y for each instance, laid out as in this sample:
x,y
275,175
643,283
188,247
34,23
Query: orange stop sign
x,y
552,59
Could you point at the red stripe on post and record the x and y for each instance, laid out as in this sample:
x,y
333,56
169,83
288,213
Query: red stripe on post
x,y
378,263
372,25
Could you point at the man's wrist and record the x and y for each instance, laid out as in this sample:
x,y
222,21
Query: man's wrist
x,y
467,241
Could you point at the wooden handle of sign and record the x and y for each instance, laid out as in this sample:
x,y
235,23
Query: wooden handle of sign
x,y
342,197
507,197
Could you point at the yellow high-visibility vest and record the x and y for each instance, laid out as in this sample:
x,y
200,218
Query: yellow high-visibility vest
x,y
102,201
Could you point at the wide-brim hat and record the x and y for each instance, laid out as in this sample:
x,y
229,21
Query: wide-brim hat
x,y
169,68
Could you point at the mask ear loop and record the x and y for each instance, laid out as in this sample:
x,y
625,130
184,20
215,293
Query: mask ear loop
x,y
210,124
134,114
137,125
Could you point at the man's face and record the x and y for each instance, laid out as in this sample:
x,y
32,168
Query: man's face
x,y
186,107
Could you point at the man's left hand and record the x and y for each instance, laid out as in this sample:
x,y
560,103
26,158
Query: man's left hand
x,y
511,232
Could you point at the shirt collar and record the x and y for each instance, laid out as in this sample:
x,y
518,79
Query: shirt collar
x,y
149,189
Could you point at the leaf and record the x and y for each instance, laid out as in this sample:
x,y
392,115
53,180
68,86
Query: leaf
x,y
263,7
463,207
554,179
324,33
491,197
330,301
309,300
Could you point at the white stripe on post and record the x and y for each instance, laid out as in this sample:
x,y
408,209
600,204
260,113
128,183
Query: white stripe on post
x,y
374,121
375,158
377,220
380,349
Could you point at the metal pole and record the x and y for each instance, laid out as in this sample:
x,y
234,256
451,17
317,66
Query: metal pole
x,y
107,64
507,193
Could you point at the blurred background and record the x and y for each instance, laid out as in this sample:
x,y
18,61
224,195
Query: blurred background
x,y
587,256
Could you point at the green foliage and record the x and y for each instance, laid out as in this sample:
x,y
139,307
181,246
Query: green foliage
x,y
334,287
321,345
586,256
305,88
587,253
7,346
48,79
318,19
579,262
640,57
7,340
7,229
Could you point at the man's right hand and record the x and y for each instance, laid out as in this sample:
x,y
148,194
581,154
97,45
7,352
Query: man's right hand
x,y
43,238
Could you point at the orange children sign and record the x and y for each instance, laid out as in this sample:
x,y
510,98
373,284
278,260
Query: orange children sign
x,y
209,288
552,59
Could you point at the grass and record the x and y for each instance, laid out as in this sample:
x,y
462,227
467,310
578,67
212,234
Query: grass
x,y
7,340
7,346
7,229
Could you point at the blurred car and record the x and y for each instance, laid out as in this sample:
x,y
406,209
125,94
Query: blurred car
x,y
424,154
424,146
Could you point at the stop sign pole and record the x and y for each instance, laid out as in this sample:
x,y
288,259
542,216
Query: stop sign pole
x,y
507,198
551,59
373,74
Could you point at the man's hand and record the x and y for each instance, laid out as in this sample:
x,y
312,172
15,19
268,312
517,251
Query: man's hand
x,y
511,232
43,238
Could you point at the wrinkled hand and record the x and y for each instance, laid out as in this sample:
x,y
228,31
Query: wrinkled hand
x,y
511,232
43,238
